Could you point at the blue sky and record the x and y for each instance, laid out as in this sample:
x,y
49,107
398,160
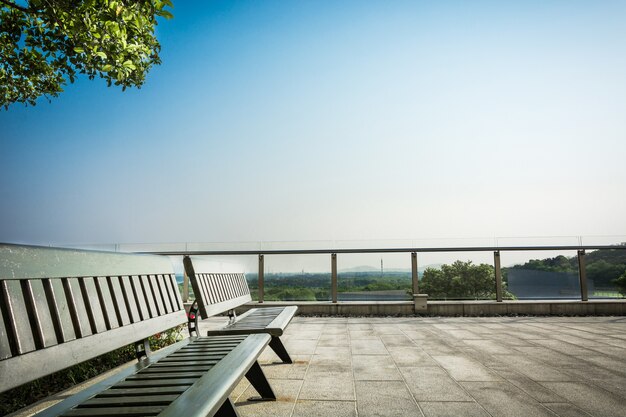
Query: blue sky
x,y
272,121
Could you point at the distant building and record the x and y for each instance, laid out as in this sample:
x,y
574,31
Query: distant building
x,y
528,284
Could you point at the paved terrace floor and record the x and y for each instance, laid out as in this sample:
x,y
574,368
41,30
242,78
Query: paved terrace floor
x,y
497,366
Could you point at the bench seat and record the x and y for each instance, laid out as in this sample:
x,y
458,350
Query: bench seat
x,y
60,307
191,378
270,320
219,292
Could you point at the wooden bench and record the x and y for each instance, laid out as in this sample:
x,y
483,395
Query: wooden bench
x,y
59,307
217,293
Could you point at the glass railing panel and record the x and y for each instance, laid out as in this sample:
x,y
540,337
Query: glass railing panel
x,y
457,275
449,242
606,273
522,241
374,277
536,275
615,240
297,277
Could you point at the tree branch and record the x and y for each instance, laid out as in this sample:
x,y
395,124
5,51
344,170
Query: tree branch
x,y
16,6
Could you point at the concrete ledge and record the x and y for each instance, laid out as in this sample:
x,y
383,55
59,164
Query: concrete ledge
x,y
455,308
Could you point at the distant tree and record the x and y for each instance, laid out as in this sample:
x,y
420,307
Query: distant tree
x,y
45,43
621,284
557,264
460,280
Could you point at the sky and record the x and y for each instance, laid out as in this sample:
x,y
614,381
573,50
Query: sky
x,y
364,121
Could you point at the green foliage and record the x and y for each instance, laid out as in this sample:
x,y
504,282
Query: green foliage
x,y
620,283
461,280
603,266
48,42
557,264
316,286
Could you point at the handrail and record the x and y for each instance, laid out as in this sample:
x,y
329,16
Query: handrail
x,y
383,250
580,249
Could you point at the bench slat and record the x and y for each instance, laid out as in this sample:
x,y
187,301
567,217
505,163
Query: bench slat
x,y
18,329
159,381
95,316
115,287
5,347
123,401
116,411
116,392
106,303
156,294
78,311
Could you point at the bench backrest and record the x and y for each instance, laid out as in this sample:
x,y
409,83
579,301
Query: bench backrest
x,y
216,292
59,307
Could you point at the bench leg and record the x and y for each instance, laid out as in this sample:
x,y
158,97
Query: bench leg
x,y
227,409
260,383
278,347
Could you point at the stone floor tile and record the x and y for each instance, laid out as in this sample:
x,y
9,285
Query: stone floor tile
x,y
549,356
300,346
295,370
530,387
384,399
503,399
337,356
433,384
591,399
608,363
386,329
564,347
438,348
465,369
359,324
328,383
533,369
308,408
330,330
410,356
362,334
368,347
418,334
375,367
489,347
340,339
452,409
566,410
463,334
396,340
609,380
286,393
308,334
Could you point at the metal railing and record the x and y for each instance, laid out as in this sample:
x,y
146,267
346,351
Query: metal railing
x,y
261,253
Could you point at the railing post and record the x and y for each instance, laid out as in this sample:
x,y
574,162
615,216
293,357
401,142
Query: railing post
x,y
261,277
414,275
498,272
333,277
185,286
582,275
